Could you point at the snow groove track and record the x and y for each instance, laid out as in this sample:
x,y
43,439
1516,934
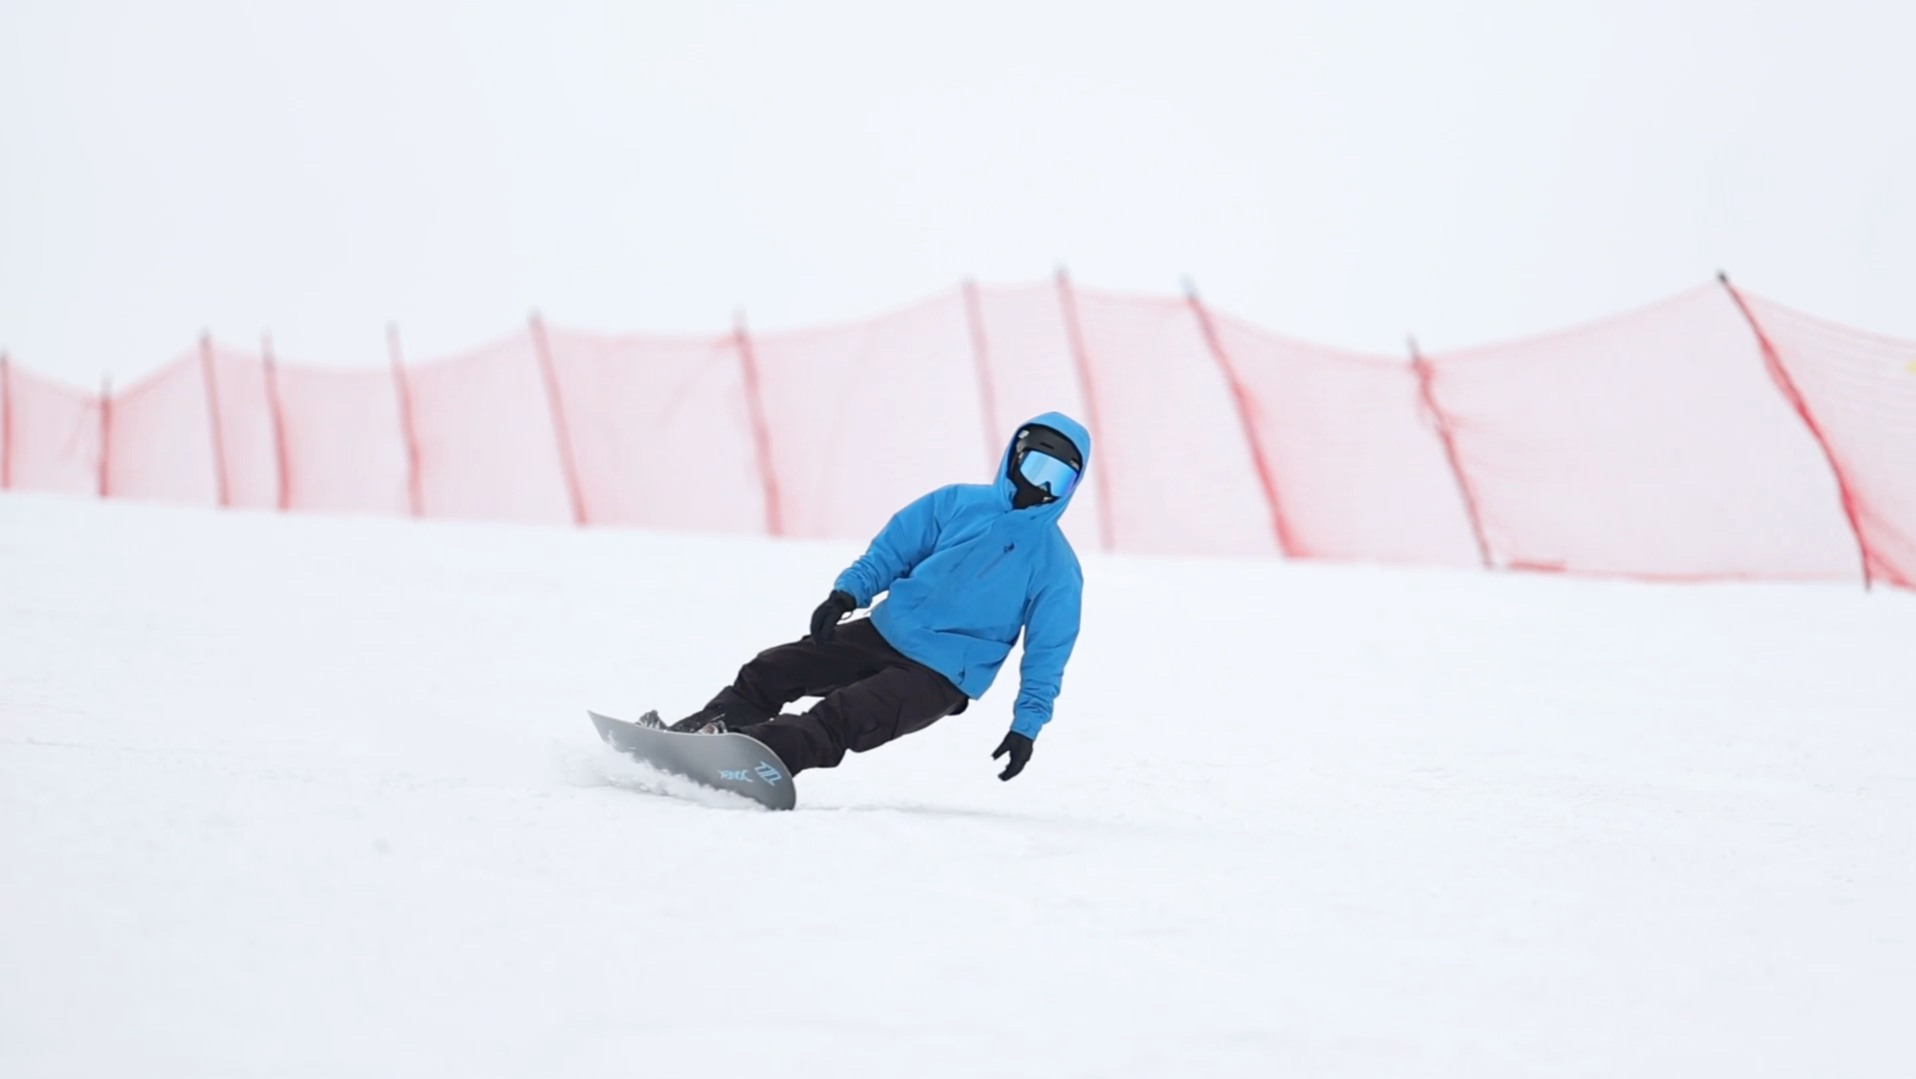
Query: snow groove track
x,y
310,796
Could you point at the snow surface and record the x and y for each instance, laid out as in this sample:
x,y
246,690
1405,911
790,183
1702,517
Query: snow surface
x,y
310,796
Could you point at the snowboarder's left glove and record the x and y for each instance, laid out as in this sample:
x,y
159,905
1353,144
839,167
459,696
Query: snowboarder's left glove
x,y
1020,749
825,620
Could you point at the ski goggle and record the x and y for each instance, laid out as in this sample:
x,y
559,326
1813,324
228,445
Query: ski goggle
x,y
1046,471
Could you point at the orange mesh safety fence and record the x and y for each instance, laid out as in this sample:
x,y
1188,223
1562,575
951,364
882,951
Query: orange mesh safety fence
x,y
344,444
50,434
159,442
862,419
486,447
1183,479
658,431
1859,389
1712,435
1357,472
247,431
1647,445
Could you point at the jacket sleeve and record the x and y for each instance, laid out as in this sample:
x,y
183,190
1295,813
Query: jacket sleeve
x,y
1051,631
905,541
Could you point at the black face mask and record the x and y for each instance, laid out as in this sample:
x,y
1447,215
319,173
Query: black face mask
x,y
1043,439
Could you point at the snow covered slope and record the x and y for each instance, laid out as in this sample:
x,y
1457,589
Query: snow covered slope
x,y
309,796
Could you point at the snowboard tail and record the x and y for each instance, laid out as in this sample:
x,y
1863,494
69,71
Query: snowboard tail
x,y
731,762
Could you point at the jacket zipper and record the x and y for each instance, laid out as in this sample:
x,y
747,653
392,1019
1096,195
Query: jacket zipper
x,y
993,564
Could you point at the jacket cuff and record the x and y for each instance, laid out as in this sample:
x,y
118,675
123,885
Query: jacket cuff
x,y
850,588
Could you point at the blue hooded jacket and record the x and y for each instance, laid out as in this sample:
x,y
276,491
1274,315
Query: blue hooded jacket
x,y
967,573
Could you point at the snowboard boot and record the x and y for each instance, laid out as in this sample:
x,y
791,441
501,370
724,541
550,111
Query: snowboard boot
x,y
651,720
698,721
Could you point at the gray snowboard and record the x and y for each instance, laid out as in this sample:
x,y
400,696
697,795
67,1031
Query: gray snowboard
x,y
728,762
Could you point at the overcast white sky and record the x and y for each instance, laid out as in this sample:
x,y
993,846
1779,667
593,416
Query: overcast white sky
x,y
1346,171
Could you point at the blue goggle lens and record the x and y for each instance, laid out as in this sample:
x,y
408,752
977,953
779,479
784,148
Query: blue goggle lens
x,y
1046,471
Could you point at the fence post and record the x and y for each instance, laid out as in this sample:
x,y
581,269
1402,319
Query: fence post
x,y
406,428
1082,360
981,361
106,434
217,437
6,422
761,431
561,432
1425,388
1246,409
1786,385
274,410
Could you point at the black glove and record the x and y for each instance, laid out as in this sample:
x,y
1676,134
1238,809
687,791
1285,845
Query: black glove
x,y
1020,749
825,619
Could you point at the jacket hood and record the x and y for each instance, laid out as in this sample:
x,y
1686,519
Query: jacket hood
x,y
1065,426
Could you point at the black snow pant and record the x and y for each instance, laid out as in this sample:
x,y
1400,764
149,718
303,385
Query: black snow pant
x,y
872,694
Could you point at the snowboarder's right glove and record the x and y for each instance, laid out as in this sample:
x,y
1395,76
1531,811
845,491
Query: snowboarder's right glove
x,y
1020,749
825,620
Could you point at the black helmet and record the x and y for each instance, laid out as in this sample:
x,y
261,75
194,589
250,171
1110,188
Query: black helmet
x,y
1044,465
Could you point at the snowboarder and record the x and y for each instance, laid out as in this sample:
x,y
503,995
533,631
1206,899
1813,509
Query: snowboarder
x,y
968,567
